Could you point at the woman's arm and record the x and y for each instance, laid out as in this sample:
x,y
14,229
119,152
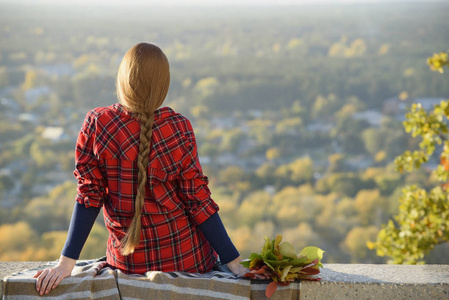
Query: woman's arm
x,y
215,232
49,279
83,219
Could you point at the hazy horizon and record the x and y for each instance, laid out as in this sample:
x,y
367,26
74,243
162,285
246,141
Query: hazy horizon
x,y
205,2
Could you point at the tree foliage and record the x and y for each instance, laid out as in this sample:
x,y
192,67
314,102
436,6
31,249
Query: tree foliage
x,y
423,218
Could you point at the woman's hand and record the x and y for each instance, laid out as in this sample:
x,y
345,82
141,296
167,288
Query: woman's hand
x,y
49,279
236,267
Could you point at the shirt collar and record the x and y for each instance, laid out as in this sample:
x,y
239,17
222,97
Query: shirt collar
x,y
163,112
160,113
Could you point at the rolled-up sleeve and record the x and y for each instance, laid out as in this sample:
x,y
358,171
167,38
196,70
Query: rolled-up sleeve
x,y
193,188
89,171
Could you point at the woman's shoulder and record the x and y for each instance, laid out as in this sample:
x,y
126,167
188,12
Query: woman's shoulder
x,y
100,116
105,112
98,111
167,115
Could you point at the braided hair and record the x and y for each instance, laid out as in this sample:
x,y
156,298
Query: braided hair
x,y
142,84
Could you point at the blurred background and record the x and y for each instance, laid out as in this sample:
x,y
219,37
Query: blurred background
x,y
297,108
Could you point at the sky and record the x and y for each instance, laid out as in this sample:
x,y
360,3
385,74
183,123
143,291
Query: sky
x,y
199,2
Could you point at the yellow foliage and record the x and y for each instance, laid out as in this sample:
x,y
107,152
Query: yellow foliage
x,y
294,42
273,153
30,80
246,239
38,30
380,156
81,61
301,169
409,72
337,49
403,96
199,111
92,69
369,204
372,172
356,242
301,236
384,49
240,238
214,134
266,170
293,205
206,86
15,237
276,48
227,49
357,48
290,125
340,49
347,110
255,207
186,82
50,245
96,243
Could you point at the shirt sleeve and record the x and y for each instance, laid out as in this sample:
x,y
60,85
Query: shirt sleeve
x,y
215,233
83,219
192,186
92,182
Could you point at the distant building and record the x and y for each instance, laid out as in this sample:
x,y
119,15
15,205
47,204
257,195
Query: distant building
x,y
59,69
7,104
373,117
320,127
33,94
53,133
397,108
29,118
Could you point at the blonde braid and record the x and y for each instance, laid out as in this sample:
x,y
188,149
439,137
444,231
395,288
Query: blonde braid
x,y
132,238
143,80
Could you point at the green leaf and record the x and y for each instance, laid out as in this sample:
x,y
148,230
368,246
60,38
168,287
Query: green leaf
x,y
313,253
286,249
278,263
300,261
285,272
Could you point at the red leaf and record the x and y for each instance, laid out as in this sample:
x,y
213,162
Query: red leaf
x,y
271,288
310,271
249,275
283,283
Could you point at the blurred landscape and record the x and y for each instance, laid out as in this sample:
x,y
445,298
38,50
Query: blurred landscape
x,y
297,112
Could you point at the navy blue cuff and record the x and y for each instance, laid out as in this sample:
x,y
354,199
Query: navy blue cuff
x,y
83,218
215,233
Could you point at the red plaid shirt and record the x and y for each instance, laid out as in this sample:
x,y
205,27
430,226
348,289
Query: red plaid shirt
x,y
177,198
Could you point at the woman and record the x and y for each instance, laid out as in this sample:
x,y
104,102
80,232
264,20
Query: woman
x,y
140,163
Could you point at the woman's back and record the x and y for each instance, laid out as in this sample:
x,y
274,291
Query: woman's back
x,y
176,197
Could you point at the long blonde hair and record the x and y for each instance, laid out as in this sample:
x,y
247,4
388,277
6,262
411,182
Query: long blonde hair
x,y
142,84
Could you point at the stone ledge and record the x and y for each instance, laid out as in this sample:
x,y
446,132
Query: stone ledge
x,y
357,281
348,281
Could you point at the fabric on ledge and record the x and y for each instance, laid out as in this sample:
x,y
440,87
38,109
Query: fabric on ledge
x,y
95,280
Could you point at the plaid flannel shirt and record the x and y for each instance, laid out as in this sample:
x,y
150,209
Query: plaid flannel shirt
x,y
177,198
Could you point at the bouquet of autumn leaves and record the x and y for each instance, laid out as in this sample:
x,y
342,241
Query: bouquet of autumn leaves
x,y
279,262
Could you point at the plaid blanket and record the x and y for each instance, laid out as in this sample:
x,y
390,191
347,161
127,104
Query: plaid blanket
x,y
95,280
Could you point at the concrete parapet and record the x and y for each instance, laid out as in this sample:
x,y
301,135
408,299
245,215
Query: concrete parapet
x,y
357,281
348,281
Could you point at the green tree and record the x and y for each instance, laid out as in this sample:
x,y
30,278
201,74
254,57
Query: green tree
x,y
423,218
372,137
